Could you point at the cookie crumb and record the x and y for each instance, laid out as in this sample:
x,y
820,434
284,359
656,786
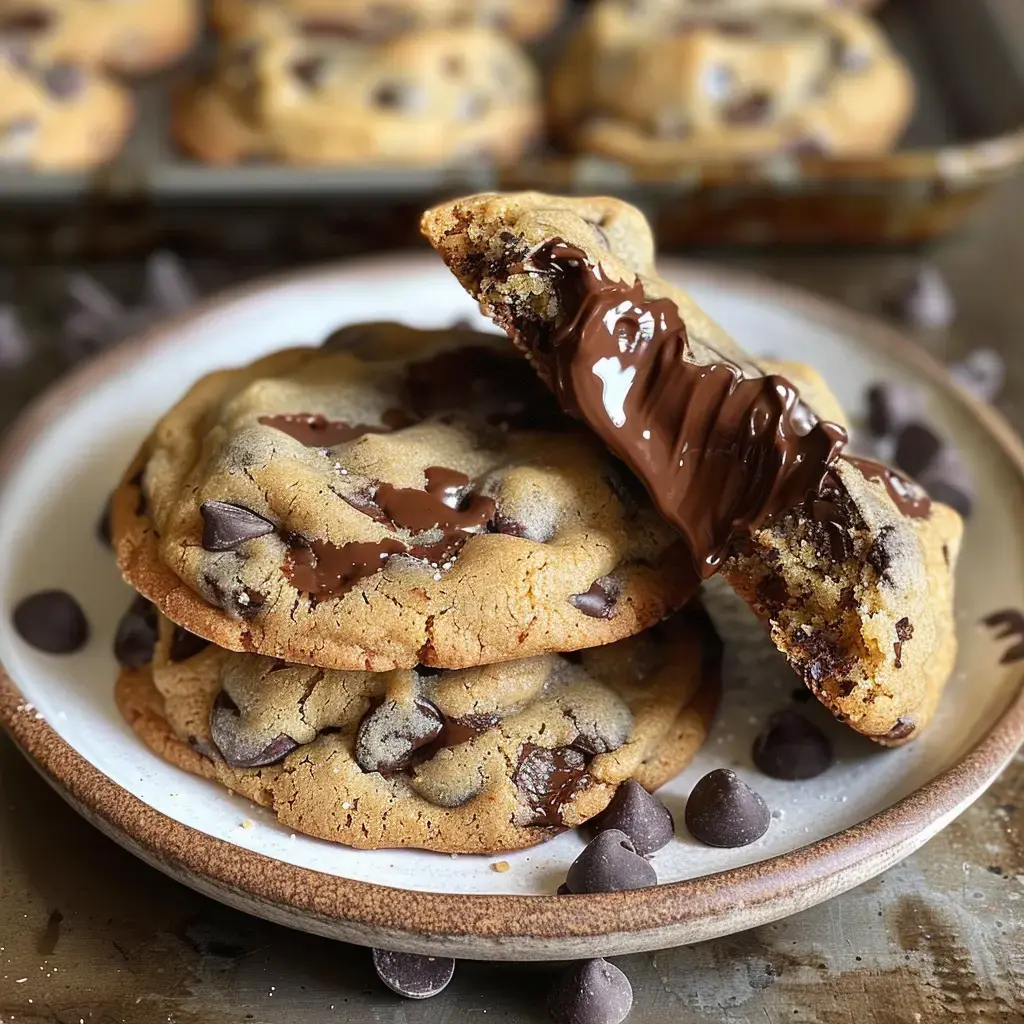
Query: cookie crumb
x,y
248,823
501,866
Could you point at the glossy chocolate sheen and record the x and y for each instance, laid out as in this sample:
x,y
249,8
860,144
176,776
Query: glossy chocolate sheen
x,y
719,451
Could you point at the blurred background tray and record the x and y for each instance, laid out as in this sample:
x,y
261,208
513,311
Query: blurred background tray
x,y
966,137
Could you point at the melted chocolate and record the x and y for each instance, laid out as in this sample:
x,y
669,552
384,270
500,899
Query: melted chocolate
x,y
437,507
328,570
548,779
906,495
719,452
316,431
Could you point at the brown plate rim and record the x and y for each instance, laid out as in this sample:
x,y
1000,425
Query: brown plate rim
x,y
510,927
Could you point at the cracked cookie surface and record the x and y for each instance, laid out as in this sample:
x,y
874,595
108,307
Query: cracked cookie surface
x,y
393,498
847,562
479,760
306,95
659,85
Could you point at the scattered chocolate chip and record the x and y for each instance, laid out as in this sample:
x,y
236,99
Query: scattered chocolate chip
x,y
135,639
641,816
185,645
917,447
610,863
891,407
924,300
599,601
51,621
1008,622
722,810
411,975
103,524
63,81
226,525
240,746
591,992
392,732
791,747
948,480
982,372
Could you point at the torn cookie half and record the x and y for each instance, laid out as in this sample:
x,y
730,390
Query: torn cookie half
x,y
848,563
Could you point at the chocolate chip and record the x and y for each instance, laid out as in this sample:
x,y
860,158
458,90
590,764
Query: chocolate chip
x,y
641,816
753,109
599,601
398,96
63,81
185,645
722,810
392,732
791,747
411,975
103,524
923,300
135,639
610,863
917,447
903,728
240,746
51,621
226,525
547,779
591,992
982,372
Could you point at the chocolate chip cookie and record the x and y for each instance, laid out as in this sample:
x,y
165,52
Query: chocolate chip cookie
x,y
59,116
847,561
480,760
126,38
381,19
661,86
396,497
309,95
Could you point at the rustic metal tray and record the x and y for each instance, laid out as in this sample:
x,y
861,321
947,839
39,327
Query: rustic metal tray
x,y
967,135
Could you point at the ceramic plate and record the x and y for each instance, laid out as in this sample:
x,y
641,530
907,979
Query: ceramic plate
x,y
827,834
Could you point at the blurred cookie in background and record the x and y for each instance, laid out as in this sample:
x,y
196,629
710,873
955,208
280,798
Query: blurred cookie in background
x,y
60,117
667,83
382,19
129,38
312,96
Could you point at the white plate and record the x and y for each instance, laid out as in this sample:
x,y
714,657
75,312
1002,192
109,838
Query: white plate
x,y
69,452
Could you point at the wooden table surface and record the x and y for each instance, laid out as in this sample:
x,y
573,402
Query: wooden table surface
x,y
89,935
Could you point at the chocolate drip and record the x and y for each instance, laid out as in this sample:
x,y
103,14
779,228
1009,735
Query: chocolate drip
x,y
314,430
719,452
324,569
437,507
907,496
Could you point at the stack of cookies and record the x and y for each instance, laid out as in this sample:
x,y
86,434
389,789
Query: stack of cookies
x,y
411,588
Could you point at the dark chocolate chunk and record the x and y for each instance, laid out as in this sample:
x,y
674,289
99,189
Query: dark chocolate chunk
x,y
392,732
135,639
610,863
240,746
411,975
185,645
51,621
791,747
226,525
591,992
641,816
892,406
722,810
547,779
903,728
923,300
63,81
917,447
599,601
